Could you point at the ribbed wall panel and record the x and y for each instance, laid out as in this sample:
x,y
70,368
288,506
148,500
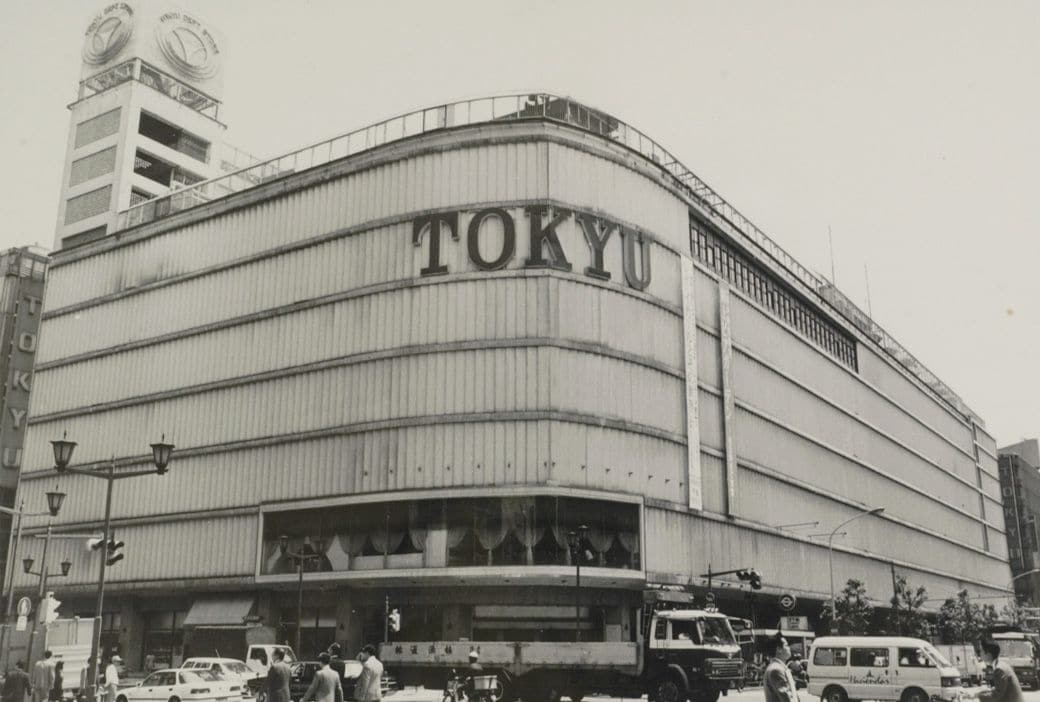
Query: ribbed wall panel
x,y
685,545
778,397
767,339
713,483
709,359
373,257
204,547
595,183
768,445
502,308
991,486
709,414
500,380
998,544
450,178
989,443
606,459
769,501
909,395
707,297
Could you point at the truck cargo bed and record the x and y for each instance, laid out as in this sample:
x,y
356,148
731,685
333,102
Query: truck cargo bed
x,y
516,657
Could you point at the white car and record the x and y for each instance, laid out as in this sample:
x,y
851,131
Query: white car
x,y
178,685
231,669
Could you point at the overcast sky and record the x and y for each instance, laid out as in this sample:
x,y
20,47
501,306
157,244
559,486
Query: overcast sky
x,y
910,129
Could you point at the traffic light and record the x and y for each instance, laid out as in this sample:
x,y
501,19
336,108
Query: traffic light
x,y
50,608
394,619
114,555
752,576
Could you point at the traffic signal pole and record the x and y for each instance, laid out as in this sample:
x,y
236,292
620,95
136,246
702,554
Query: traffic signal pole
x,y
40,595
95,642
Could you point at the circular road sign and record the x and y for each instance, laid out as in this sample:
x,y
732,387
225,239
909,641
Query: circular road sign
x,y
787,601
24,607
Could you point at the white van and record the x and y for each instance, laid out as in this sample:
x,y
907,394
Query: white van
x,y
843,668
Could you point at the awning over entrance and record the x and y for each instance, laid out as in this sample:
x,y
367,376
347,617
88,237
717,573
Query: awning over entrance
x,y
228,610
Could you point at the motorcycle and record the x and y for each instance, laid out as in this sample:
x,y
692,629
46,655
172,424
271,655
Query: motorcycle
x,y
477,688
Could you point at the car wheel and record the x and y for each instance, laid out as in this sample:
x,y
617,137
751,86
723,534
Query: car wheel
x,y
121,698
175,698
834,694
914,694
668,690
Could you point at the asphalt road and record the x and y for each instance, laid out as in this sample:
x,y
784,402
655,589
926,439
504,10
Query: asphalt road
x,y
747,695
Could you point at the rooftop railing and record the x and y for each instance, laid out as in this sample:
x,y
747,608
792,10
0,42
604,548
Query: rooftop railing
x,y
536,106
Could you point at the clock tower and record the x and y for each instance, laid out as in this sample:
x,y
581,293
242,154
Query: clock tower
x,y
146,121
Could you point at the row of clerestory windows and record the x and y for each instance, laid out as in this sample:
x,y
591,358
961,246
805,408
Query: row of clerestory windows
x,y
740,272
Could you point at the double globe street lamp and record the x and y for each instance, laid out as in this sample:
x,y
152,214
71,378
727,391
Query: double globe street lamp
x,y
54,502
161,453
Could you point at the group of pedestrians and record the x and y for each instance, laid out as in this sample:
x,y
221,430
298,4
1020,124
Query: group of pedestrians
x,y
327,685
46,683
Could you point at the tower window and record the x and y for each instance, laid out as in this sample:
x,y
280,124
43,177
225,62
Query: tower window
x,y
173,137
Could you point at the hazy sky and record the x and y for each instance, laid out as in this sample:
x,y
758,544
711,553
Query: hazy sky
x,y
911,129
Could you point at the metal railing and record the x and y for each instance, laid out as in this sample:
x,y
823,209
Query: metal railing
x,y
517,107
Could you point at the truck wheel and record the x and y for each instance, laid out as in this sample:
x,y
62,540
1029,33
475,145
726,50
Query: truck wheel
x,y
834,694
576,695
669,690
914,694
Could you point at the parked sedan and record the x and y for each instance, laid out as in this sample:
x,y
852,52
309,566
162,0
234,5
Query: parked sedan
x,y
175,685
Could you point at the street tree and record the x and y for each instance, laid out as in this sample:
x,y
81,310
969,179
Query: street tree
x,y
906,617
852,609
963,621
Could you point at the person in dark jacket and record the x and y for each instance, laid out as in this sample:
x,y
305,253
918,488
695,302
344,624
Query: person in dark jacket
x,y
57,690
278,678
1006,687
16,684
336,661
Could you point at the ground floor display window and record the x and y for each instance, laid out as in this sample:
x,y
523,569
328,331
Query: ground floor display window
x,y
163,643
317,634
481,531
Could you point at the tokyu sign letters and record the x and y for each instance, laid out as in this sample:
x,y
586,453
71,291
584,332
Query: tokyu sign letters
x,y
494,234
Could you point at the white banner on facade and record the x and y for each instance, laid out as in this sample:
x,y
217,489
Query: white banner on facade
x,y
693,427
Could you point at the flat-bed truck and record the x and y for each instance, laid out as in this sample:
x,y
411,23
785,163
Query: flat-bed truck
x,y
680,654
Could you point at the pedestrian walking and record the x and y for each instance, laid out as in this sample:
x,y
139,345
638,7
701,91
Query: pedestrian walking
x,y
16,684
278,678
58,688
112,678
1006,687
43,678
778,683
326,686
336,661
369,687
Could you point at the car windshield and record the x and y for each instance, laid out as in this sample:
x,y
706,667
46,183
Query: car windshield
x,y
938,658
191,676
1015,648
716,630
237,667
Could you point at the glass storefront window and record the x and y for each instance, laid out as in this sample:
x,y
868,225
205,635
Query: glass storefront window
x,y
486,531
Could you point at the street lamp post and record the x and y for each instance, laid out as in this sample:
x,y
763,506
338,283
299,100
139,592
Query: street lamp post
x,y
161,453
576,542
54,500
830,559
5,643
301,557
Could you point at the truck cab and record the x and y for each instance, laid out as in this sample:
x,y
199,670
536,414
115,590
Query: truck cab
x,y
1019,649
691,653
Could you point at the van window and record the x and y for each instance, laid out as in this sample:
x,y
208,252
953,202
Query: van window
x,y
869,657
914,658
831,656
258,654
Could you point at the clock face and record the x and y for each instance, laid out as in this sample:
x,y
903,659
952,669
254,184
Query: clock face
x,y
108,33
188,45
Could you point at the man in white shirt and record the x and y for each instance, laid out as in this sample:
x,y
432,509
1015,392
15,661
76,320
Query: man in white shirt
x,y
112,678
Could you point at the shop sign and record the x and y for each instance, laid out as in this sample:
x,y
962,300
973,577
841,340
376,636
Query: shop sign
x,y
26,324
543,249
794,623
